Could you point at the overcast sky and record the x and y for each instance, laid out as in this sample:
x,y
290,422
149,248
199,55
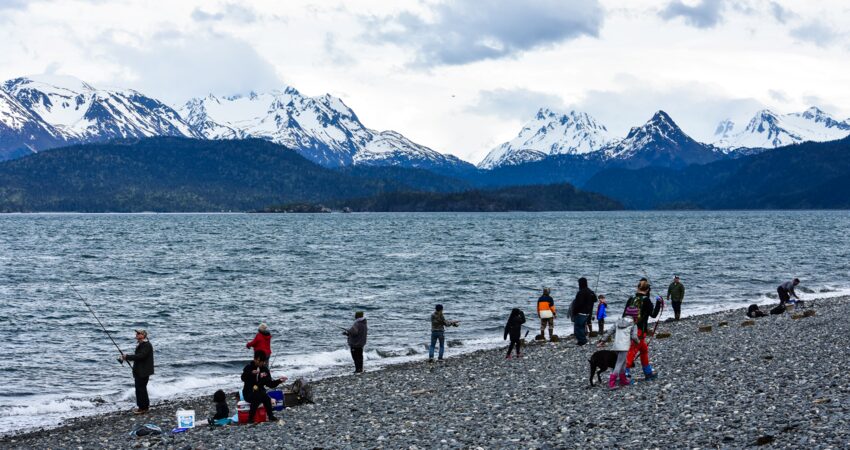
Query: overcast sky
x,y
460,76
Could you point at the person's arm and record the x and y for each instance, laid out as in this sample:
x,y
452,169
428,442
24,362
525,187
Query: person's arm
x,y
252,342
670,291
521,317
353,331
507,327
682,292
144,352
657,308
246,373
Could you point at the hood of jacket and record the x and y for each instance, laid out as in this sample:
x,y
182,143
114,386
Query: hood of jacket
x,y
582,283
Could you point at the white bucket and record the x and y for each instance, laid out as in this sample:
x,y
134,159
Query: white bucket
x,y
185,418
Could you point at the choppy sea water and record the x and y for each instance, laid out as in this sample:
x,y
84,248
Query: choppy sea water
x,y
200,282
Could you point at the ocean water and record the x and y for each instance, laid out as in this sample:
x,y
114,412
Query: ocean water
x,y
200,283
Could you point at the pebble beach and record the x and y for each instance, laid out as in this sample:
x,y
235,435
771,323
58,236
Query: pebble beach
x,y
779,382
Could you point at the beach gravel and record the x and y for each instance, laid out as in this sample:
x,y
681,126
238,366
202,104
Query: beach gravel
x,y
780,383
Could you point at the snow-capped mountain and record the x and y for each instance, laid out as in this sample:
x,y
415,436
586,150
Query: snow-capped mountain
x,y
82,113
770,130
660,142
21,131
550,133
323,129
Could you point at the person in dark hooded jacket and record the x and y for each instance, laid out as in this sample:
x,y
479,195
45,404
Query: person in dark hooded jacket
x,y
641,308
257,378
583,308
514,328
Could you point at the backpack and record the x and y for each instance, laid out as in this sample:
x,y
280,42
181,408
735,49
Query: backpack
x,y
753,311
778,309
633,307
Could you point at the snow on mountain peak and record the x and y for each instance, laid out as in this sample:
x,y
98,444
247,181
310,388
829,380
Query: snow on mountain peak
x,y
770,130
550,133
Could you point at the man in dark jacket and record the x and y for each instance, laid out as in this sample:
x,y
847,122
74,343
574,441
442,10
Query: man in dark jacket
x,y
257,377
142,370
676,293
357,340
582,308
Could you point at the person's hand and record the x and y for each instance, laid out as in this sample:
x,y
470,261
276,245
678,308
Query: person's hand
x,y
345,333
263,375
282,379
600,344
255,371
247,345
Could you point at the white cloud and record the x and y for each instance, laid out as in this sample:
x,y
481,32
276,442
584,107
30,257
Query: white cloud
x,y
516,103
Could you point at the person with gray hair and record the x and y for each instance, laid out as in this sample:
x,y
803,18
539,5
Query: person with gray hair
x,y
142,370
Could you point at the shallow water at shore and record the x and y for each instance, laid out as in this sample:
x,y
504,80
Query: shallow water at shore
x,y
198,281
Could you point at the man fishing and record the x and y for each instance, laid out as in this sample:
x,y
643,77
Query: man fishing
x,y
142,370
582,308
257,377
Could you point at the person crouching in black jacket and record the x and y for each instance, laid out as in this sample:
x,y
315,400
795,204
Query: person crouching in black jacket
x,y
257,377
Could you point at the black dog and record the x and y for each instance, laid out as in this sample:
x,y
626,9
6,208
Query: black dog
x,y
600,361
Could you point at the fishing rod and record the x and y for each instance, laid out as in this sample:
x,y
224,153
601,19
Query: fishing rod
x,y
237,332
103,327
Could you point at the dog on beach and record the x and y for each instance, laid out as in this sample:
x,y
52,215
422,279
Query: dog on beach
x,y
600,361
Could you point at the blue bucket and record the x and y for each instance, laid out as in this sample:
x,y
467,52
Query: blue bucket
x,y
277,395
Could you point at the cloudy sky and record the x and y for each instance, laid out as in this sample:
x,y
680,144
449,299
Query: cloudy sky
x,y
458,76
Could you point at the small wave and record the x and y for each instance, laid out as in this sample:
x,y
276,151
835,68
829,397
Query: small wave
x,y
87,256
153,272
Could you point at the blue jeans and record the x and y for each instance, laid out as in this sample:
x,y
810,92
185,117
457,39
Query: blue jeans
x,y
580,328
437,335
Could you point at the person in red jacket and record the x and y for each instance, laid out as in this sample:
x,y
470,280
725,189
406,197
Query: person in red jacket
x,y
262,341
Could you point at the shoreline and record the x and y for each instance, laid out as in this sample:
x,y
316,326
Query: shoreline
x,y
397,387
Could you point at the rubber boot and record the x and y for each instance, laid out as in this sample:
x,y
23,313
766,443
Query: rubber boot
x,y
648,373
612,381
628,374
624,380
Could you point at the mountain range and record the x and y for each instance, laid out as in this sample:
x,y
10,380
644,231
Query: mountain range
x,y
48,111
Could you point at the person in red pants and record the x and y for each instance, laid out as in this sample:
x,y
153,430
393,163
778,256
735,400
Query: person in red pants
x,y
640,307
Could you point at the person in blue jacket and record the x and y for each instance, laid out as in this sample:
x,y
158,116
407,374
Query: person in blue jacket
x,y
601,313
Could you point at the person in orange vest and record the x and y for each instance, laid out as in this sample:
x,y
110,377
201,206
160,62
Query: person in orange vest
x,y
546,312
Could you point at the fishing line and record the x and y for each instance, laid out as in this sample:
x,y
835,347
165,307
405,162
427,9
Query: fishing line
x,y
101,326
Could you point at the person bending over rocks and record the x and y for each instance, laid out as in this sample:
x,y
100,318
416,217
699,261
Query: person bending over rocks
x,y
639,306
546,312
438,331
357,340
257,377
786,291
583,308
262,341
514,328
142,370
676,293
625,334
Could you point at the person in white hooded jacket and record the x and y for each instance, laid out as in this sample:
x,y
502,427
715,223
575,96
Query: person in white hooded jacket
x,y
625,332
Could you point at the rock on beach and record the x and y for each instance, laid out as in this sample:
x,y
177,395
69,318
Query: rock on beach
x,y
779,382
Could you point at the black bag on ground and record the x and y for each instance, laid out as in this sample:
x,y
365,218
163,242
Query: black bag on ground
x,y
779,309
753,311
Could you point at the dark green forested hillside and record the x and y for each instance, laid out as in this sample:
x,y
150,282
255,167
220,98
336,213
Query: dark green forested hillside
x,y
556,197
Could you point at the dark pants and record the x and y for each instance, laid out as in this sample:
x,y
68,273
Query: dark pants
x,y
580,328
783,296
516,343
357,356
601,323
677,309
256,399
142,400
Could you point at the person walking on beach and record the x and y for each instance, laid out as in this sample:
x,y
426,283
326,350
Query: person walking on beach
x,y
640,306
601,313
786,291
514,328
257,377
625,334
438,331
546,312
357,340
676,293
142,370
583,308
262,341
